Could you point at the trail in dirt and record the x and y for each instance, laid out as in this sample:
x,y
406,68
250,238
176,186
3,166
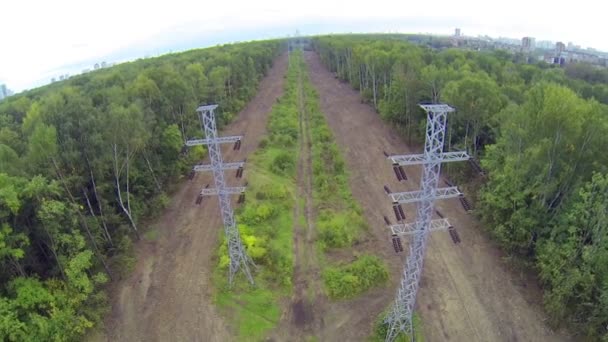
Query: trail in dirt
x,y
467,293
301,318
168,295
312,293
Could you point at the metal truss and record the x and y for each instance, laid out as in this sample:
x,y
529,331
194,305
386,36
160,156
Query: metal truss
x,y
207,141
239,260
419,195
437,108
227,191
224,166
416,159
400,316
412,228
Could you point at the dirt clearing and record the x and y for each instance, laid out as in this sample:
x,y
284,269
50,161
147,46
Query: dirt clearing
x,y
467,292
168,295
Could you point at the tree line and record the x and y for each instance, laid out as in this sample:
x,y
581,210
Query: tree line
x,y
84,161
539,132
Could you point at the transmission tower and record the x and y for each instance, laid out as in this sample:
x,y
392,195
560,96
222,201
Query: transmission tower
x,y
399,318
238,256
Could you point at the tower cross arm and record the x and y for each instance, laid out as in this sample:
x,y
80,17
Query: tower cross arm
x,y
437,108
417,159
221,140
224,166
416,196
206,108
415,227
228,191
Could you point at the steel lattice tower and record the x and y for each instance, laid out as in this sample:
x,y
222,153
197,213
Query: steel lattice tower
x,y
400,316
238,256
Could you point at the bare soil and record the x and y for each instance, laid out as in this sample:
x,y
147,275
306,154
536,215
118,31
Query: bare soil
x,y
168,297
468,292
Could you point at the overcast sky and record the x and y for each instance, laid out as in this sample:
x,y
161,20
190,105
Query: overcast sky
x,y
43,39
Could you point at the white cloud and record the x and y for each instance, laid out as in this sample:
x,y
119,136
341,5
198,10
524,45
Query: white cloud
x,y
41,36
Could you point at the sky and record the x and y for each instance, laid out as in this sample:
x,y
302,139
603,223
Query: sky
x,y
44,39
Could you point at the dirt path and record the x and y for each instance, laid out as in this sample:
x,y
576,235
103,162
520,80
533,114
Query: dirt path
x,y
303,314
467,293
168,295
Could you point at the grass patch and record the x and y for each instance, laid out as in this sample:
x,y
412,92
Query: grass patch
x,y
339,219
338,228
349,280
266,232
265,224
254,310
152,233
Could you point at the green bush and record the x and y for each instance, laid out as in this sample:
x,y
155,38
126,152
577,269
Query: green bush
x,y
271,191
283,140
157,204
257,213
338,229
349,280
283,163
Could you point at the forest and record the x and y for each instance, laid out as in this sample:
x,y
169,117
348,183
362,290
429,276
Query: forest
x,y
538,132
84,162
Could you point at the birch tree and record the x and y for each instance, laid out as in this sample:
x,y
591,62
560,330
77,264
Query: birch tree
x,y
126,135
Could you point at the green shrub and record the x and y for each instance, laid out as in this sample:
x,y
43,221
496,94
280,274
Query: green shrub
x,y
263,143
283,140
349,280
257,213
157,204
339,229
283,163
271,192
124,260
335,230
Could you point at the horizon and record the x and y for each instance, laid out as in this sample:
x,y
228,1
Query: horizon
x,y
70,51
127,55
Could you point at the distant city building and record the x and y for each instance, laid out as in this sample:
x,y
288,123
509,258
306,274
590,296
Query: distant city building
x,y
528,44
545,44
575,56
508,41
104,64
96,66
554,53
559,48
53,80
